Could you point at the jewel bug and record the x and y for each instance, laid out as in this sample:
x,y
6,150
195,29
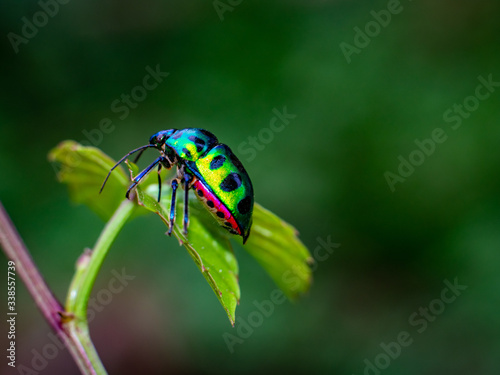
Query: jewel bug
x,y
209,168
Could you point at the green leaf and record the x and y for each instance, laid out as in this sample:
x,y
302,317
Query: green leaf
x,y
83,169
275,245
211,251
272,242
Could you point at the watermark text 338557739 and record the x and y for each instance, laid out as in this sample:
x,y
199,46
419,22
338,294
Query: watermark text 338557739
x,y
11,313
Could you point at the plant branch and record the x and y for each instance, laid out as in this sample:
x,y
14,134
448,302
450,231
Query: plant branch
x,y
90,263
87,268
50,307
15,250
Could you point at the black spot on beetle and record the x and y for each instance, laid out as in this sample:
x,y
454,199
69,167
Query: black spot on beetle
x,y
245,205
210,204
228,224
200,143
220,214
231,182
217,162
177,135
186,152
200,192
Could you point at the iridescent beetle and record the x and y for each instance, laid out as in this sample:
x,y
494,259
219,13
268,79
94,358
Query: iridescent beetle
x,y
210,168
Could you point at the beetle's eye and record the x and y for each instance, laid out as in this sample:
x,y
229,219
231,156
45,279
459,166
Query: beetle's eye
x,y
157,139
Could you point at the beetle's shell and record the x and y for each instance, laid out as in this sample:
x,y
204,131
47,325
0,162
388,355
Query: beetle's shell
x,y
225,180
191,143
221,183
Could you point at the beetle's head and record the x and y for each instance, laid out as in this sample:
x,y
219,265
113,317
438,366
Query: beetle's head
x,y
159,139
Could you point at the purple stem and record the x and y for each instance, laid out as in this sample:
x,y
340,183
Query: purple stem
x,y
51,308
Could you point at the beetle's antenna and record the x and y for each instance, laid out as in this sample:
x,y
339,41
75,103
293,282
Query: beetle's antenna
x,y
142,148
139,155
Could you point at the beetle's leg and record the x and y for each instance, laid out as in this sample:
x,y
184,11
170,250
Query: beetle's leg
x,y
165,163
187,180
159,182
141,175
175,184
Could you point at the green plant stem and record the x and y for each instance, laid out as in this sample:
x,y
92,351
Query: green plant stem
x,y
87,269
50,307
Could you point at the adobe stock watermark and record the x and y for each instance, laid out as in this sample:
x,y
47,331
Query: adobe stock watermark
x,y
453,116
372,29
265,136
244,328
121,107
222,7
420,321
30,27
51,350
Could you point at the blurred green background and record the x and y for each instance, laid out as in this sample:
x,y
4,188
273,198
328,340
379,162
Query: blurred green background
x,y
229,68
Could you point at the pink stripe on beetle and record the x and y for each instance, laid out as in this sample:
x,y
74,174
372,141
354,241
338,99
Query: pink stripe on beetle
x,y
218,205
